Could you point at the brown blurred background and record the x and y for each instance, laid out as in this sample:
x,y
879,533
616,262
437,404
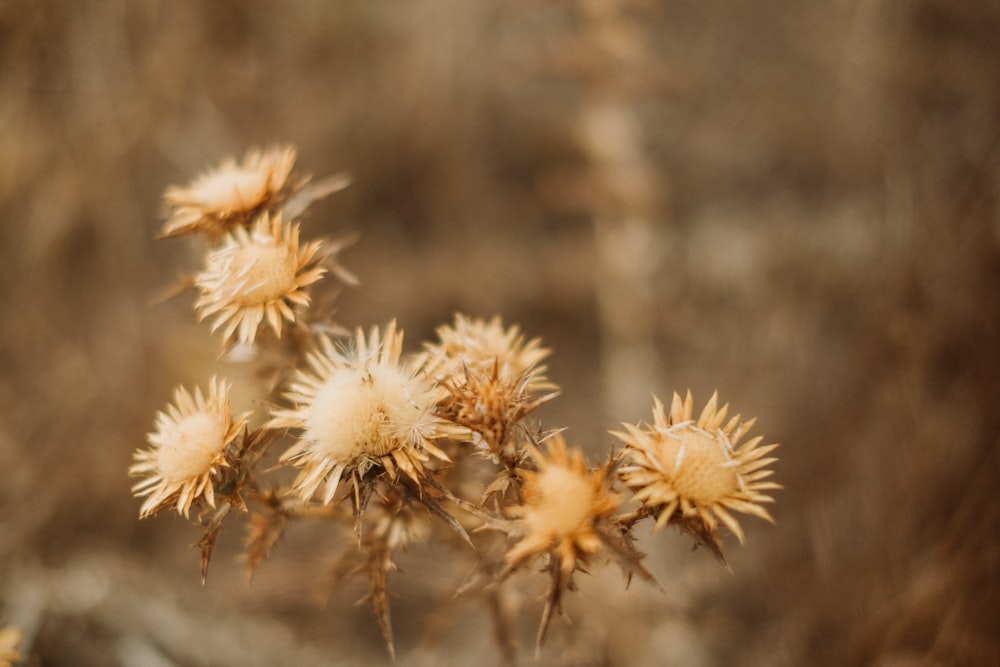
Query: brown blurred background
x,y
795,203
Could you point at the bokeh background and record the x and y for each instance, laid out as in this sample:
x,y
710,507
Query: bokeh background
x,y
795,203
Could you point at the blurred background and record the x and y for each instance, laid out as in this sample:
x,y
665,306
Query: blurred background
x,y
794,203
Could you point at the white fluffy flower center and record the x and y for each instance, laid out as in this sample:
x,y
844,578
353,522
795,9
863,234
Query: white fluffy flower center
x,y
359,413
189,447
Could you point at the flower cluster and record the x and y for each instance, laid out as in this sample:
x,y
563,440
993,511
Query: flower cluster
x,y
397,445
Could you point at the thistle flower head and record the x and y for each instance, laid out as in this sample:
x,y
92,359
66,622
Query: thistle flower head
x,y
493,379
563,503
490,406
187,450
257,273
358,408
233,194
693,471
482,345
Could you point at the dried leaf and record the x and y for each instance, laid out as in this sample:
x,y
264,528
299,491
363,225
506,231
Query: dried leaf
x,y
207,541
263,532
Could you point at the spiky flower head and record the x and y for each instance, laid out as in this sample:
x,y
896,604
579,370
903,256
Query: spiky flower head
x,y
564,502
481,345
493,378
257,273
187,450
233,194
358,409
693,472
491,406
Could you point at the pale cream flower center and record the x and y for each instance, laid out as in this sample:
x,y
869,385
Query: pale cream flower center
x,y
234,189
190,447
698,464
362,413
260,274
563,503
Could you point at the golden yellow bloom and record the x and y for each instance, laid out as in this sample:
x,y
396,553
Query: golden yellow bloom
x,y
9,639
481,345
258,273
694,468
187,450
563,503
233,194
359,408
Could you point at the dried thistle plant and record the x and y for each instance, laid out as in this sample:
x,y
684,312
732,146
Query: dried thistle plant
x,y
234,194
691,473
568,516
258,273
484,345
360,412
187,450
370,436
231,195
492,379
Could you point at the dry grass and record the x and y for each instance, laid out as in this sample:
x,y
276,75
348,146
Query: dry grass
x,y
822,247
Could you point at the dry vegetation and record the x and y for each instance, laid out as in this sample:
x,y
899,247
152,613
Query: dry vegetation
x,y
795,205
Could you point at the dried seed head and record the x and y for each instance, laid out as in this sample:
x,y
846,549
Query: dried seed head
x,y
493,379
187,450
233,194
481,346
359,408
685,470
257,273
490,406
563,504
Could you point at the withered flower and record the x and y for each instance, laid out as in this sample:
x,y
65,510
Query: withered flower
x,y
563,503
490,406
493,379
693,473
187,450
258,273
566,515
481,345
232,194
359,409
